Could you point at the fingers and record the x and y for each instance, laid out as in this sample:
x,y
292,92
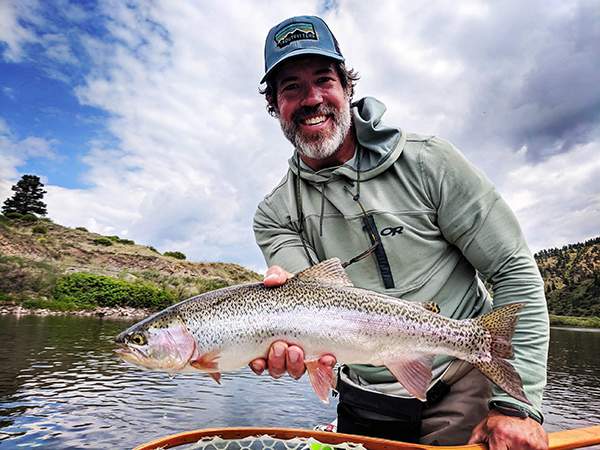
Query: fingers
x,y
276,276
277,359
284,358
328,360
502,432
258,365
295,361
479,434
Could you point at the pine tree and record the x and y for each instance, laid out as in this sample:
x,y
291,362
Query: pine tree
x,y
27,198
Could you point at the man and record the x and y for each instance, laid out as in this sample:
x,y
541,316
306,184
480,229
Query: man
x,y
433,222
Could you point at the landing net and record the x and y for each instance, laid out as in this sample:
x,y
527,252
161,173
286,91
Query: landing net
x,y
266,442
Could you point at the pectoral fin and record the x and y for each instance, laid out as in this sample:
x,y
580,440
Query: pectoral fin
x,y
208,362
413,372
321,378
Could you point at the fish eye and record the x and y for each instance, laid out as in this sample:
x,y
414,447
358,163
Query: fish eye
x,y
138,339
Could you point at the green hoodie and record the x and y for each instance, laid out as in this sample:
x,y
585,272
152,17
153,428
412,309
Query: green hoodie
x,y
440,221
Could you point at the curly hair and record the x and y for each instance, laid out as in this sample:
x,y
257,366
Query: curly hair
x,y
348,79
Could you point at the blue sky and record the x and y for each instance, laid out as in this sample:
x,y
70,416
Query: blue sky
x,y
143,118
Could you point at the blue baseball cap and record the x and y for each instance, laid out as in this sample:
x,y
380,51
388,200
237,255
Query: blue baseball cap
x,y
301,35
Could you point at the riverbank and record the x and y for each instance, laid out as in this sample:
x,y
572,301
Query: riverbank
x,y
578,322
122,312
117,312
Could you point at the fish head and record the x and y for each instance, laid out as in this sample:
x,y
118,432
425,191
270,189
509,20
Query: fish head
x,y
159,343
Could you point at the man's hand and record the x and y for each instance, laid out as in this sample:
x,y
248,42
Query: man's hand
x,y
276,276
282,357
503,432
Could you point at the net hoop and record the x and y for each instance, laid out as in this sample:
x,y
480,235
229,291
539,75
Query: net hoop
x,y
559,440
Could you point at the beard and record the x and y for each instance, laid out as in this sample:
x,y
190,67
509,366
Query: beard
x,y
322,145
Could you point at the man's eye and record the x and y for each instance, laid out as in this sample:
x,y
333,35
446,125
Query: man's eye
x,y
324,79
289,87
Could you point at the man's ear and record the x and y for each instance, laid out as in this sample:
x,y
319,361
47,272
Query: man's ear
x,y
273,108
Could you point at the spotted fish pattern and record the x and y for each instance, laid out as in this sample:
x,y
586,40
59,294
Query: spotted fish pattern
x,y
320,310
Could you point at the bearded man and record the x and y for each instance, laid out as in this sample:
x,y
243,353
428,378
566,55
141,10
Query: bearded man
x,y
433,223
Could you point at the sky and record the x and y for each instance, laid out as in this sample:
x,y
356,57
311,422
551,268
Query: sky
x,y
143,118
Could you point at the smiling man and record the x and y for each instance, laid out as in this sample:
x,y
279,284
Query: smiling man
x,y
435,225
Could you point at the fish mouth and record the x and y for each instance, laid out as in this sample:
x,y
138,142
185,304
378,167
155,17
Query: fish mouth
x,y
122,349
129,354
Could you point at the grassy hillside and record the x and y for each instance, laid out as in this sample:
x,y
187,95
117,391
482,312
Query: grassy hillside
x,y
572,278
44,264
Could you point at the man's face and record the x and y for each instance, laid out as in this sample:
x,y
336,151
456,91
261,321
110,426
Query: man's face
x,y
314,110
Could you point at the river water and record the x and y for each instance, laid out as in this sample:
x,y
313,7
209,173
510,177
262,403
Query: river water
x,y
61,387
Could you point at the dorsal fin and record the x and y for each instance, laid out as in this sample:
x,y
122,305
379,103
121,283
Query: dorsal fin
x,y
329,271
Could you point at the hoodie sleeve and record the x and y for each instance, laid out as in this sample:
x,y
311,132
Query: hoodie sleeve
x,y
279,240
473,217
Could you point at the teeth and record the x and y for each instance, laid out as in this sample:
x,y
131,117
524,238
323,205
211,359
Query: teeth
x,y
315,120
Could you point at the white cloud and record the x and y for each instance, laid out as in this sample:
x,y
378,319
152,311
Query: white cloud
x,y
16,152
558,200
12,33
195,150
58,48
8,92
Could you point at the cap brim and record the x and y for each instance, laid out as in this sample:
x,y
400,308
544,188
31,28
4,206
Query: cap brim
x,y
301,51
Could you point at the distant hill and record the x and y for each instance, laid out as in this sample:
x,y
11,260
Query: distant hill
x,y
36,254
572,278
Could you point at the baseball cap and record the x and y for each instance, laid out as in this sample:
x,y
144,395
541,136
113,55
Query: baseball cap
x,y
301,35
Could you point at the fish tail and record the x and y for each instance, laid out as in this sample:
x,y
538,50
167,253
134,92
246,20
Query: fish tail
x,y
500,324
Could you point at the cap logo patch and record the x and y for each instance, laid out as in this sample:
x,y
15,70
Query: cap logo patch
x,y
295,32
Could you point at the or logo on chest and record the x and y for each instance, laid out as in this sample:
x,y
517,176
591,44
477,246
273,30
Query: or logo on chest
x,y
391,231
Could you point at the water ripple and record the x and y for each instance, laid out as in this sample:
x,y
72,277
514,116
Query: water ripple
x,y
61,386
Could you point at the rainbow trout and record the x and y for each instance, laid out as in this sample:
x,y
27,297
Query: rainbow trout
x,y
320,310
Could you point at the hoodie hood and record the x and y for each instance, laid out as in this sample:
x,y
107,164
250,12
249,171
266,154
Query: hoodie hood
x,y
380,146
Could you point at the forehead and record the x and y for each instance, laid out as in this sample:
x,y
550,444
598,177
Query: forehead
x,y
304,65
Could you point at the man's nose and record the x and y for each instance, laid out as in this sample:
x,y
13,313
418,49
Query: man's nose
x,y
312,96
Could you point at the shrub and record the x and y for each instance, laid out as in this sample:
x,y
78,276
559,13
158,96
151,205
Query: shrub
x,y
90,289
102,241
210,284
39,229
29,217
81,229
13,215
118,240
149,247
176,255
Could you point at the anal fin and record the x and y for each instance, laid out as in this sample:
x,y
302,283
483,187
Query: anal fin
x,y
321,378
413,372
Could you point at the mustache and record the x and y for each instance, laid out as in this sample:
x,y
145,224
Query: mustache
x,y
307,111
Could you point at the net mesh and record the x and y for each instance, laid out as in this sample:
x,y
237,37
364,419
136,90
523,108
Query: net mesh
x,y
266,442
